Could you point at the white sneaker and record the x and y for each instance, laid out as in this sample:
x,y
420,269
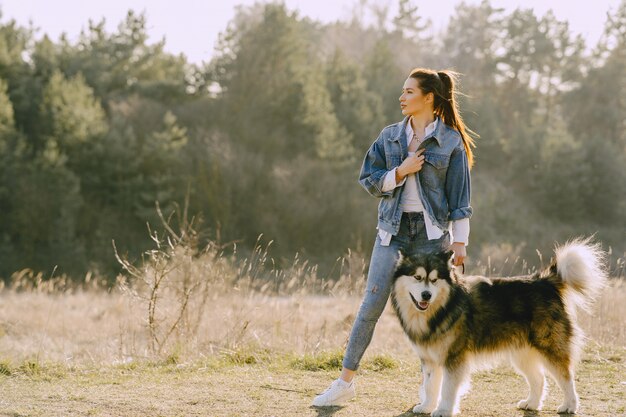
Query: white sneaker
x,y
338,393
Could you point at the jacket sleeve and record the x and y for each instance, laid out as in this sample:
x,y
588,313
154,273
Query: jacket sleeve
x,y
458,189
374,169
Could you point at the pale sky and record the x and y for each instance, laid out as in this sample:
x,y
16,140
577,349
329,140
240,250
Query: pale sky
x,y
192,26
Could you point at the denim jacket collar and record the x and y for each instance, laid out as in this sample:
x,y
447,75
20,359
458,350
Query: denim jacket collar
x,y
400,133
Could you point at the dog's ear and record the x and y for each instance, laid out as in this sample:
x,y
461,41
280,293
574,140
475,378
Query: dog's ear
x,y
401,257
446,256
401,264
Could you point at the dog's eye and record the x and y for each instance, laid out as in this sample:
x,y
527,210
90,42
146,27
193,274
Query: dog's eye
x,y
434,280
418,278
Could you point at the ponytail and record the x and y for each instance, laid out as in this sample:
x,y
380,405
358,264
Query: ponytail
x,y
449,112
442,85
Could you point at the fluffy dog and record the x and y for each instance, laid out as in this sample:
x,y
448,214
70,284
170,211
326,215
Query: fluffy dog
x,y
458,324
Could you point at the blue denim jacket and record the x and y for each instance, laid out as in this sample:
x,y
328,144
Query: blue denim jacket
x,y
444,180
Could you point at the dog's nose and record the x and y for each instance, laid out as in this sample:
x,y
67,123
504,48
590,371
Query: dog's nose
x,y
425,295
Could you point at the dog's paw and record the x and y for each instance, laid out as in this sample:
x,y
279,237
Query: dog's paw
x,y
440,412
527,405
567,408
423,409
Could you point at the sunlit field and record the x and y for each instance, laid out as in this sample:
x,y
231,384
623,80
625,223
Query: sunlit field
x,y
94,327
208,305
210,335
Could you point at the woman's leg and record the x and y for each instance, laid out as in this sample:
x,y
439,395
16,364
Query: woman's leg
x,y
412,239
379,280
347,374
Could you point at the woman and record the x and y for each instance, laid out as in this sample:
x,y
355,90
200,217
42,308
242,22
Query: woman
x,y
419,168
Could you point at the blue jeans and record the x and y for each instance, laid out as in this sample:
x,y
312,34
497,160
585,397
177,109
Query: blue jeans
x,y
412,239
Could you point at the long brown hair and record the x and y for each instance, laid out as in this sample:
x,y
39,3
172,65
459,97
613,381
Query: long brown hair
x,y
441,84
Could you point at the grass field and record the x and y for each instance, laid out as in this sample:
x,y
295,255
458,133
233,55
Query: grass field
x,y
84,354
206,344
284,386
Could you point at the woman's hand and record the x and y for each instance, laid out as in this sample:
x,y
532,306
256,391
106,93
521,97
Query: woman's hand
x,y
459,253
412,164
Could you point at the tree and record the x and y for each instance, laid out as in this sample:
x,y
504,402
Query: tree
x,y
385,78
42,204
358,109
470,45
69,111
562,59
595,113
23,90
274,91
409,23
333,142
261,73
7,121
122,62
8,139
111,182
160,166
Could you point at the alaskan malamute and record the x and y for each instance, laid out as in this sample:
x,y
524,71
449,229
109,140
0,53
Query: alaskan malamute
x,y
457,324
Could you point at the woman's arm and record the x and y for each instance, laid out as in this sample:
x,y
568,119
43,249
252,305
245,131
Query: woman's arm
x,y
460,235
374,170
458,194
392,180
460,231
458,187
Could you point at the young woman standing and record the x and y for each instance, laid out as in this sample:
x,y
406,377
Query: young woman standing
x,y
419,168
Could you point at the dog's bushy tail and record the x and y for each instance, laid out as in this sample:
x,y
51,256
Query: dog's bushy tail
x,y
581,265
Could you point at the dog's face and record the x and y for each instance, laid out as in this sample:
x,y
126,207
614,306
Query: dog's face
x,y
425,280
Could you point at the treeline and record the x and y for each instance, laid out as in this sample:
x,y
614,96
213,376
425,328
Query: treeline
x,y
268,137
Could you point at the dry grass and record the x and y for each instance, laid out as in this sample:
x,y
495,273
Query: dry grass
x,y
93,327
276,388
245,339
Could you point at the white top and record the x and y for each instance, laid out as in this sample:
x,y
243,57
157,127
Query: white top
x,y
410,200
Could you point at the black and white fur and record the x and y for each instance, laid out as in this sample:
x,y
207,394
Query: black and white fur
x,y
458,324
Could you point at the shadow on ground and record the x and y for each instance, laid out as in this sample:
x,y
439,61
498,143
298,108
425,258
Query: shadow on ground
x,y
326,411
410,413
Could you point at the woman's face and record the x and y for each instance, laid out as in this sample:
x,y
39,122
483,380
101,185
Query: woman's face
x,y
413,101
